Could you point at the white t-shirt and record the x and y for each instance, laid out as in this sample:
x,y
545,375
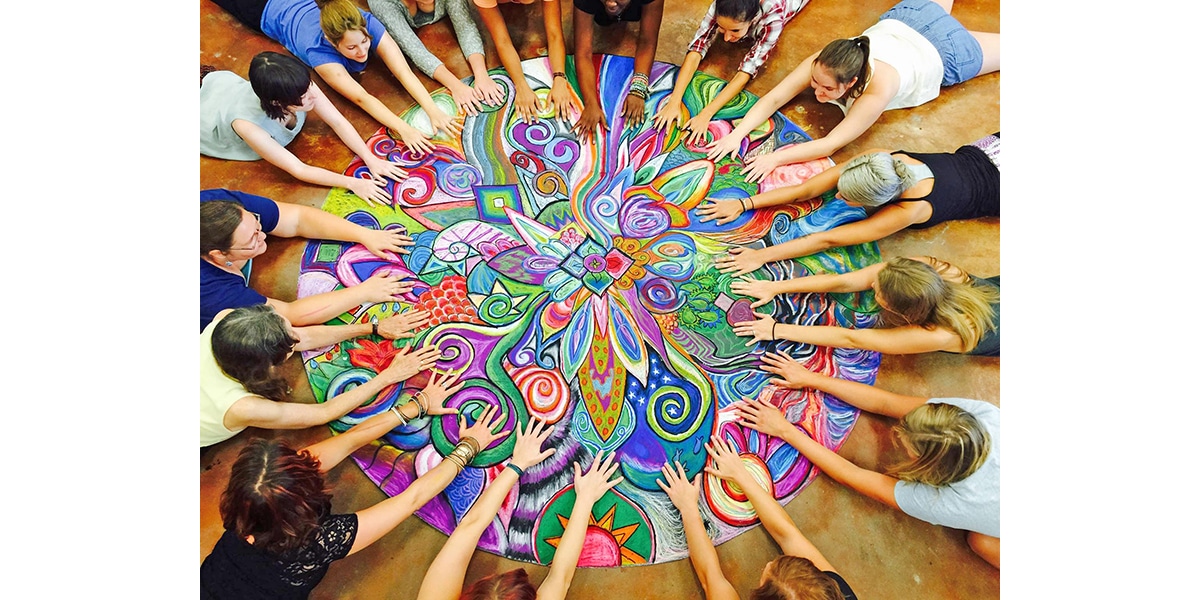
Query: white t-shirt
x,y
914,58
972,504
218,392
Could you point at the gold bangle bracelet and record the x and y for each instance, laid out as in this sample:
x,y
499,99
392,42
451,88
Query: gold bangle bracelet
x,y
474,443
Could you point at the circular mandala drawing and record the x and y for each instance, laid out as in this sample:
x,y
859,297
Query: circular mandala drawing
x,y
574,283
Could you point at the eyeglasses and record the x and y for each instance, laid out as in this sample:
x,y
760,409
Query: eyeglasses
x,y
253,238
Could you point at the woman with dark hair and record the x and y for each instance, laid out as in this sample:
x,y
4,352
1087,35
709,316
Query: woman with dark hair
x,y
233,231
336,38
241,353
902,61
802,571
280,534
952,474
899,189
929,306
242,120
444,579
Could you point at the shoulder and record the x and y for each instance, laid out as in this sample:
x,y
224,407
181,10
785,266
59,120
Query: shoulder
x,y
978,408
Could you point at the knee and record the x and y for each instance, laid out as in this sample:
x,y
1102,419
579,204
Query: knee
x,y
986,546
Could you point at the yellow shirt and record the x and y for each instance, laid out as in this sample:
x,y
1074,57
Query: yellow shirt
x,y
218,392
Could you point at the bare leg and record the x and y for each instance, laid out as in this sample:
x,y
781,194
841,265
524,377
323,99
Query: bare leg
x,y
990,42
986,546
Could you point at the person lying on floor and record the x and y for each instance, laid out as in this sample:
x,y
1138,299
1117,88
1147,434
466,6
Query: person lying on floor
x,y
801,572
951,476
928,305
233,231
242,353
281,534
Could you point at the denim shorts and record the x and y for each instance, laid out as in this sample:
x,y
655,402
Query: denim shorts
x,y
961,53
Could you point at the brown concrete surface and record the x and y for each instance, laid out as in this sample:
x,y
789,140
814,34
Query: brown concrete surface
x,y
883,553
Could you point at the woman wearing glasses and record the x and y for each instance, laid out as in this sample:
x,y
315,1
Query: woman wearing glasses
x,y
233,231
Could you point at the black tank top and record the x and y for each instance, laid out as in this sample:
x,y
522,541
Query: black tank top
x,y
966,185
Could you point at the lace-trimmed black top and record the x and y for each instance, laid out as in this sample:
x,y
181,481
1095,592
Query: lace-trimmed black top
x,y
236,569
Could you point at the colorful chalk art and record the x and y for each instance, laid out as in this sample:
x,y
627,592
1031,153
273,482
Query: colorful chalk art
x,y
575,284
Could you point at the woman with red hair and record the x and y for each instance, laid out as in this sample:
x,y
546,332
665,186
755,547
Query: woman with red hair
x,y
444,579
280,535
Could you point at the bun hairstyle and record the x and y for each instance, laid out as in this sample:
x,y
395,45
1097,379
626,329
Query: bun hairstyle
x,y
742,11
794,578
275,494
339,17
920,295
249,343
279,81
847,59
875,179
949,442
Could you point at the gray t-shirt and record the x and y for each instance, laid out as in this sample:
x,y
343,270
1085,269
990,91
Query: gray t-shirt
x,y
400,25
226,97
972,504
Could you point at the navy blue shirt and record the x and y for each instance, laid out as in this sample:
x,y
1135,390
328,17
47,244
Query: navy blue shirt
x,y
220,289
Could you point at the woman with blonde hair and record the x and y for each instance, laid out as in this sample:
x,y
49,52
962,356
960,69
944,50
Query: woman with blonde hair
x,y
952,474
899,190
929,305
801,572
336,38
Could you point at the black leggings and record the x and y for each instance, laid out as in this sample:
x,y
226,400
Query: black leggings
x,y
249,12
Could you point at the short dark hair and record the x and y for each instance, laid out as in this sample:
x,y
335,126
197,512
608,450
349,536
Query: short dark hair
x,y
738,10
248,344
279,81
218,220
276,494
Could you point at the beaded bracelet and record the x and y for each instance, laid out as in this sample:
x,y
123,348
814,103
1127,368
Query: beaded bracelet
x,y
640,86
560,74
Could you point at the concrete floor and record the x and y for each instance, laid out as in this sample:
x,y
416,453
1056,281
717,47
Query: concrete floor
x,y
881,552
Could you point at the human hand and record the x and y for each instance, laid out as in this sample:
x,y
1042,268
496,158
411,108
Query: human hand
x,y
794,375
763,418
408,362
381,168
684,495
634,110
465,99
723,211
758,167
761,330
762,289
562,100
697,128
590,486
740,261
380,241
382,287
528,451
585,127
488,91
417,142
443,122
671,113
724,462
481,431
526,103
438,391
730,145
403,325
371,190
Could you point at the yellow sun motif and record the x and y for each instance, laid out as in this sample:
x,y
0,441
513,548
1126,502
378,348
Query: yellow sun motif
x,y
605,524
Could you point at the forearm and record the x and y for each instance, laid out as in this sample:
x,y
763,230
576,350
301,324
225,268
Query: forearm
x,y
477,520
320,308
864,481
380,112
779,525
570,545
316,224
341,404
817,335
824,283
443,76
334,450
378,520
809,150
862,396
683,78
585,70
478,66
759,113
727,94
701,552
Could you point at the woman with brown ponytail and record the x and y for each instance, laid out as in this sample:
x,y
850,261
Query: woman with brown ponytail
x,y
952,474
929,305
902,61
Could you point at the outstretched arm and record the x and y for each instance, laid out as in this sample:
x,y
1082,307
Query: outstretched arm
x,y
909,339
311,311
701,552
339,79
585,73
764,417
394,59
634,109
589,487
796,81
698,124
298,220
561,98
444,578
765,290
726,464
864,397
671,112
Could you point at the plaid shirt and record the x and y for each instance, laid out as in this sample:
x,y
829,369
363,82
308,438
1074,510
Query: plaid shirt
x,y
764,30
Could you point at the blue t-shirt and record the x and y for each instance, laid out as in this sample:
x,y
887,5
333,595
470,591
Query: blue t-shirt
x,y
297,25
220,289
